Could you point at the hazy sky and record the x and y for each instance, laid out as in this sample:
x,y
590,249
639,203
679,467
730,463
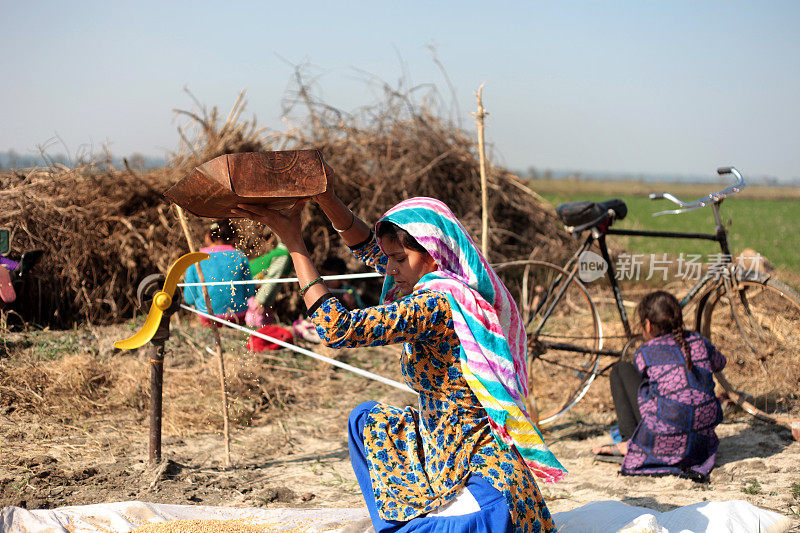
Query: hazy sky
x,y
635,86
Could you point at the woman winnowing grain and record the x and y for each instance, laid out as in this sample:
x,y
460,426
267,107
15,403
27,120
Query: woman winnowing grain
x,y
466,458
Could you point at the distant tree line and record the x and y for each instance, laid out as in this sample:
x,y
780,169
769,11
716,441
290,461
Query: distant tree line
x,y
12,160
533,173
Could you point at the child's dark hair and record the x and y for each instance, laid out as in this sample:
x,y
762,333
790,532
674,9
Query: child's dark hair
x,y
222,230
393,231
664,312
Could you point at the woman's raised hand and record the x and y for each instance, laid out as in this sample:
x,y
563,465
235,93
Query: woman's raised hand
x,y
329,196
285,223
338,213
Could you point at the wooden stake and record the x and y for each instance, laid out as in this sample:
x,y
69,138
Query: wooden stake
x,y
480,116
220,358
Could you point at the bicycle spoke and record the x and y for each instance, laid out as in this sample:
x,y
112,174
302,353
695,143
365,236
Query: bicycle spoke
x,y
744,332
556,306
584,337
757,326
562,365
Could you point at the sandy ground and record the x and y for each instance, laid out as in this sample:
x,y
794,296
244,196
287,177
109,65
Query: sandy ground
x,y
296,456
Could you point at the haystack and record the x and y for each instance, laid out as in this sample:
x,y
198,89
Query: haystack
x,y
104,229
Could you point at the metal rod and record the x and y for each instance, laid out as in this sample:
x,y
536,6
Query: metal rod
x,y
156,389
612,278
668,234
279,280
579,349
562,289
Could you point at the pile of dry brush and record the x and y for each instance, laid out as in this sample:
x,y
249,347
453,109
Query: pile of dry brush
x,y
103,229
81,385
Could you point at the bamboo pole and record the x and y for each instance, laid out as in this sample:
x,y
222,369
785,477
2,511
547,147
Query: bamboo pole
x,y
480,116
217,339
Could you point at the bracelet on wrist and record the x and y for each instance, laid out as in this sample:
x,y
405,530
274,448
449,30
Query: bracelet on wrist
x,y
352,222
309,285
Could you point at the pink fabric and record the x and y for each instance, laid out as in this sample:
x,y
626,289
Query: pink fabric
x,y
218,248
7,293
256,315
238,318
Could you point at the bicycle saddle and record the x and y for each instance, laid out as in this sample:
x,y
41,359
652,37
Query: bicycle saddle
x,y
579,216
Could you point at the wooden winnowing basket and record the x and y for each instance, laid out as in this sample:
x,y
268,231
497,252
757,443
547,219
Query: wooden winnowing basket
x,y
276,179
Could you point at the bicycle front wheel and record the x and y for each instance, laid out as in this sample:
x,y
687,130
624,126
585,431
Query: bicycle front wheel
x,y
563,329
756,325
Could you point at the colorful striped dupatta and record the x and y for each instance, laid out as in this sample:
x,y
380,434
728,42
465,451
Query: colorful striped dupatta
x,y
487,322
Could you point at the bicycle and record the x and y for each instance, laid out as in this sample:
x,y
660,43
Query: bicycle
x,y
751,317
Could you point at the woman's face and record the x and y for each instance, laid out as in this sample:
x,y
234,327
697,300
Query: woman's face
x,y
406,265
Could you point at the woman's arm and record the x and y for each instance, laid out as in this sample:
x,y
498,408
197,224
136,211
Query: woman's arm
x,y
416,317
412,318
286,224
370,253
352,229
356,234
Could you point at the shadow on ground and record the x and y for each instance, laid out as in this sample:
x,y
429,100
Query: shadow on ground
x,y
756,439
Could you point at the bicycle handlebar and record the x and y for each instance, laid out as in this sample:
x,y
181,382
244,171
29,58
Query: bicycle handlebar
x,y
713,197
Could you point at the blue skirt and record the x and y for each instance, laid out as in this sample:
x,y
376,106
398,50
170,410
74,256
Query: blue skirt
x,y
493,516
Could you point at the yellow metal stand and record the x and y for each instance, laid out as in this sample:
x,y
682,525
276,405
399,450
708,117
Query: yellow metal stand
x,y
161,301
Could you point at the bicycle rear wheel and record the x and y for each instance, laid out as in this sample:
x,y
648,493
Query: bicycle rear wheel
x,y
756,325
561,361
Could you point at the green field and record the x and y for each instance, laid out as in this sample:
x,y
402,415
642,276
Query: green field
x,y
764,219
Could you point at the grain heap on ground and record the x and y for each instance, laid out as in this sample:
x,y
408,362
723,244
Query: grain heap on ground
x,y
214,526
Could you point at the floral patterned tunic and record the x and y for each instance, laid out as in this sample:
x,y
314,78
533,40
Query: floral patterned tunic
x,y
679,409
420,458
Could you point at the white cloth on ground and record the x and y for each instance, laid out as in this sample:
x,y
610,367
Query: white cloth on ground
x,y
121,517
736,516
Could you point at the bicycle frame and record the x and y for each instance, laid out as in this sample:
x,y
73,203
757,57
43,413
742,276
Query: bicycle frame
x,y
720,236
598,235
